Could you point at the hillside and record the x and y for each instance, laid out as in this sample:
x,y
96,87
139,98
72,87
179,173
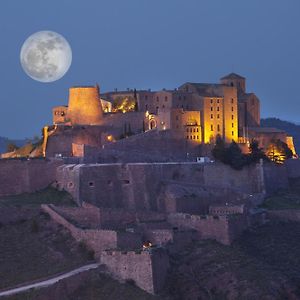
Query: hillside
x,y
5,141
291,128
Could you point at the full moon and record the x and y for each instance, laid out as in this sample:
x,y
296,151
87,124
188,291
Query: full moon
x,y
46,56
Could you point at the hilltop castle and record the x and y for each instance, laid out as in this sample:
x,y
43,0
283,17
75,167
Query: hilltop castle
x,y
193,114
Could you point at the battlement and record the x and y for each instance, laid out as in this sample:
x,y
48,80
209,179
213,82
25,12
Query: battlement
x,y
148,268
221,228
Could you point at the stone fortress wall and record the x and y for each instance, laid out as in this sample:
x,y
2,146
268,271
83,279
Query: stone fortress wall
x,y
137,186
96,239
148,269
19,176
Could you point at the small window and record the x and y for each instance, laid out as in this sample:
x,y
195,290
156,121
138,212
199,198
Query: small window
x,y
91,184
146,97
232,117
125,181
218,127
70,184
232,100
166,99
212,127
157,99
177,118
232,133
163,106
187,130
232,125
232,109
187,137
197,129
146,106
211,116
218,101
194,130
211,109
211,101
218,108
218,116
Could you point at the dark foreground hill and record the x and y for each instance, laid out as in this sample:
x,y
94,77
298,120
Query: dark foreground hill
x,y
291,128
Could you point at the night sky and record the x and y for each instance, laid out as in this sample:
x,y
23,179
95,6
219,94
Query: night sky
x,y
151,44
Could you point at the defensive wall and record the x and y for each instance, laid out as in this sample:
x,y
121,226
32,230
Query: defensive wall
x,y
136,186
96,239
19,176
148,269
223,229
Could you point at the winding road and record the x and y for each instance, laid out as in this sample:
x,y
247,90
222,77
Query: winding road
x,y
48,282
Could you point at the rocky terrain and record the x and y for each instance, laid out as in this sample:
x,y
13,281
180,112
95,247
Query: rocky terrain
x,y
262,264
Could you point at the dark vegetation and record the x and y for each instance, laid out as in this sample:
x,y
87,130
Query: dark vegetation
x,y
32,246
232,155
46,196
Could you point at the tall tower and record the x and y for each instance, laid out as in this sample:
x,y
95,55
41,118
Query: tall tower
x,y
235,80
85,106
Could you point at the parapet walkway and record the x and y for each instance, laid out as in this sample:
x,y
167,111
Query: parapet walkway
x,y
48,282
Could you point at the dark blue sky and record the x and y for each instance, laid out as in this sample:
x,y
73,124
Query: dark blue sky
x,y
151,44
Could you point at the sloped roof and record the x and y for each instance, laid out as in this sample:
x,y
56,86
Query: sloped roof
x,y
233,76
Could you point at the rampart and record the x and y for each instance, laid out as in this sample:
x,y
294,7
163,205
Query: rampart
x,y
19,176
223,229
97,239
148,269
137,186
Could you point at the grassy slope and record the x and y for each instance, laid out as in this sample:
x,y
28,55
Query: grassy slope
x,y
46,196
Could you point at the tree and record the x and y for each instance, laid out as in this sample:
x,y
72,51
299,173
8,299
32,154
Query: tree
x,y
219,150
256,153
11,147
234,156
278,151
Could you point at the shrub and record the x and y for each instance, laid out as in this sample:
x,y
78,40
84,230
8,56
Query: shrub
x,y
34,227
